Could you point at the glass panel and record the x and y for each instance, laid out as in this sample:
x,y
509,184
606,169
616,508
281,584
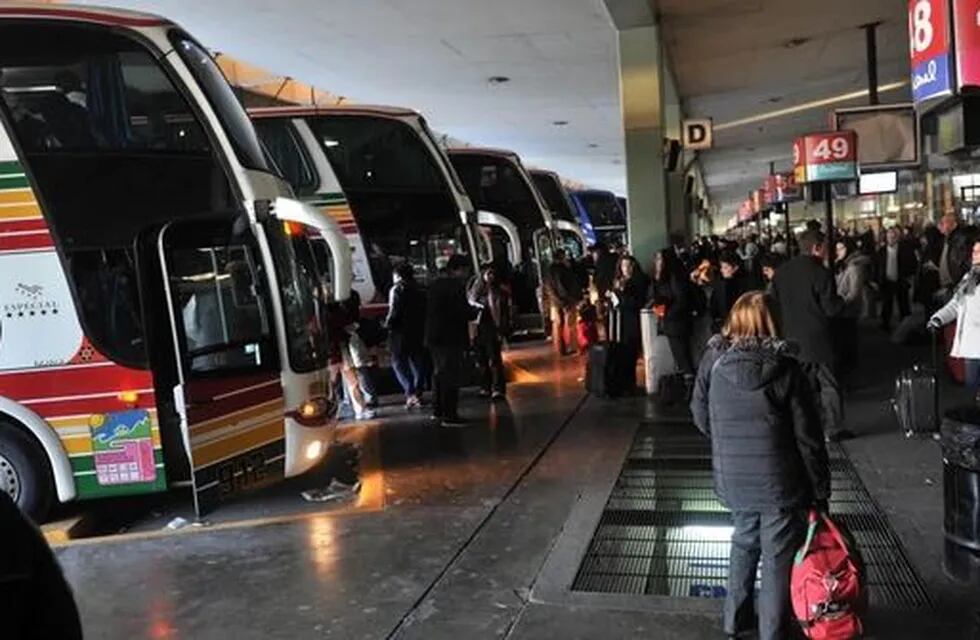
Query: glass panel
x,y
300,285
602,208
553,195
496,184
230,111
223,316
287,152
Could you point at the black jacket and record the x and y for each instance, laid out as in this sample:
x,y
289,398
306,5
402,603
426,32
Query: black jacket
x,y
35,601
907,263
682,304
448,313
726,291
406,318
768,451
564,286
632,295
605,272
806,299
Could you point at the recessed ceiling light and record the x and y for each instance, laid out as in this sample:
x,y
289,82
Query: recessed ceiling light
x,y
593,145
793,43
560,123
498,79
775,99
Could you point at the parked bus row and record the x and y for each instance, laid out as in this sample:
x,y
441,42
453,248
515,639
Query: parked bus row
x,y
167,259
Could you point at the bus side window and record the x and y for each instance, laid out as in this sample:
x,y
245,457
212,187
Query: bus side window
x,y
223,317
288,155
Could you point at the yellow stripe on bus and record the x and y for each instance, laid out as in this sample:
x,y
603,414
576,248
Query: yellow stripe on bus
x,y
81,445
340,214
242,415
17,196
239,443
20,211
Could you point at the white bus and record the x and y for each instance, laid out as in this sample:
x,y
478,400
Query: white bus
x,y
160,306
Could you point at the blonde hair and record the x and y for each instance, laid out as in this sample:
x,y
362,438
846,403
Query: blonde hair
x,y
750,317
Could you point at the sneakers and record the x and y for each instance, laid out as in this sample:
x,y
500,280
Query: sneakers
x,y
366,414
453,423
499,395
412,402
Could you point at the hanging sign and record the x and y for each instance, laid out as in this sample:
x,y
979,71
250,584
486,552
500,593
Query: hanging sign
x,y
825,157
697,134
787,189
966,27
929,44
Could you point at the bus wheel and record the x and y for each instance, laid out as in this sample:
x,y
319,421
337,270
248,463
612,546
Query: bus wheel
x,y
24,473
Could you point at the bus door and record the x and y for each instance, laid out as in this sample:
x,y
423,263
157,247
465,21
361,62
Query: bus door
x,y
228,394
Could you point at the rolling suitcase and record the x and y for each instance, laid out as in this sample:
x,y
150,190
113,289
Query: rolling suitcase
x,y
916,401
610,371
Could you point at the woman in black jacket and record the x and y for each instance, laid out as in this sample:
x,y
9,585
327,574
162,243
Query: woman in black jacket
x,y
673,290
628,295
406,333
770,461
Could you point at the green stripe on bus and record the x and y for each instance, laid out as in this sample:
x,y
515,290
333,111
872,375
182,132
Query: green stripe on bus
x,y
82,464
329,198
88,487
13,182
11,166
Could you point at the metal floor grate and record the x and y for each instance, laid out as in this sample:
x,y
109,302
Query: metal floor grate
x,y
664,532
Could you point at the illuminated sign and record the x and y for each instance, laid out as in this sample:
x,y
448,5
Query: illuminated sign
x,y
929,45
825,157
966,27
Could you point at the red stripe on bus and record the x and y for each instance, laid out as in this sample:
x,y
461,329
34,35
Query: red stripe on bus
x,y
67,382
38,240
34,224
89,406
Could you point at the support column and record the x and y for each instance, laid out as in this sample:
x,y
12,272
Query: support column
x,y
641,91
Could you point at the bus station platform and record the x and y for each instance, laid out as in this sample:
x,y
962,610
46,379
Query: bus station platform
x,y
556,514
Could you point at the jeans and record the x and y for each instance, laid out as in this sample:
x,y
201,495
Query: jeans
x,y
563,328
680,348
774,538
410,370
972,367
447,364
488,348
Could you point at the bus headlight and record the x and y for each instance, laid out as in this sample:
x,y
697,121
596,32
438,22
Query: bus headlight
x,y
314,450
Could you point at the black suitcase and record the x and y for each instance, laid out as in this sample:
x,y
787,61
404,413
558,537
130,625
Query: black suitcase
x,y
607,371
916,401
672,390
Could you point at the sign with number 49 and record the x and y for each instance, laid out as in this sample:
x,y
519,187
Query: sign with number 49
x,y
826,157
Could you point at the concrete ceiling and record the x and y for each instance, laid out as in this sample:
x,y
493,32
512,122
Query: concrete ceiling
x,y
734,59
436,56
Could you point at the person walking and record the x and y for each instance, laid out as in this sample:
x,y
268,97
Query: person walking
x,y
406,333
954,256
36,602
447,336
896,265
486,295
853,275
734,281
964,309
564,293
805,298
673,291
752,399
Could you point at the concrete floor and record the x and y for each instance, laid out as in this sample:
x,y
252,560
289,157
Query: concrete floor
x,y
454,544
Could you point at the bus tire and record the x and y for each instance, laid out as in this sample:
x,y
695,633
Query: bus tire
x,y
24,472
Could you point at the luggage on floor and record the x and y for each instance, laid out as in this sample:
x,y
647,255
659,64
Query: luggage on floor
x,y
609,372
827,584
672,390
916,401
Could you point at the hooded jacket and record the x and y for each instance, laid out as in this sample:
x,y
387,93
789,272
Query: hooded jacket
x,y
753,401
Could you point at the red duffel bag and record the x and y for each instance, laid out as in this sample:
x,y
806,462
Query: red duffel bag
x,y
827,583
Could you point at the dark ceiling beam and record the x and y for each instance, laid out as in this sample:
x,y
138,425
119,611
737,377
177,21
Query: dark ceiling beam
x,y
630,14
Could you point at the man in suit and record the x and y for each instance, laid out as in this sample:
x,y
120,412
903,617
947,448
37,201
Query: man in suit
x,y
896,264
806,300
447,336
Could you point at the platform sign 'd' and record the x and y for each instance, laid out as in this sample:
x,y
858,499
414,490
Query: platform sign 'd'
x,y
826,157
697,134
929,44
966,26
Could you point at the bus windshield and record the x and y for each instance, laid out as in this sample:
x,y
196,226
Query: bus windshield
x,y
105,134
602,208
230,111
300,285
496,184
404,209
550,189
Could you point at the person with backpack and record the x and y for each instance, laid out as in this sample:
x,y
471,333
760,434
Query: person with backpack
x,y
752,399
565,294
447,336
674,293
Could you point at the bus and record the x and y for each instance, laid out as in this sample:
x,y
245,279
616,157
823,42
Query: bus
x,y
379,173
571,238
498,183
601,216
161,306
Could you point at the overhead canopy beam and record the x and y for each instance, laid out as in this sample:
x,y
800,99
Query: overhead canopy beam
x,y
630,14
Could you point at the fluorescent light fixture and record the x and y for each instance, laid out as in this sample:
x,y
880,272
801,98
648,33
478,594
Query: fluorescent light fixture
x,y
807,106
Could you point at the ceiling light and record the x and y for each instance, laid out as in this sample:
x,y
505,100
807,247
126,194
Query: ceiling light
x,y
793,43
498,79
593,145
560,123
775,99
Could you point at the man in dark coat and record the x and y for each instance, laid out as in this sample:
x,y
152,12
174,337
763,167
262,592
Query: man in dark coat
x,y
895,265
604,266
770,464
734,281
35,601
954,258
447,336
805,296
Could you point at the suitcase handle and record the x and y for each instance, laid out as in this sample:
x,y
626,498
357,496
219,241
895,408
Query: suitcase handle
x,y
936,378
